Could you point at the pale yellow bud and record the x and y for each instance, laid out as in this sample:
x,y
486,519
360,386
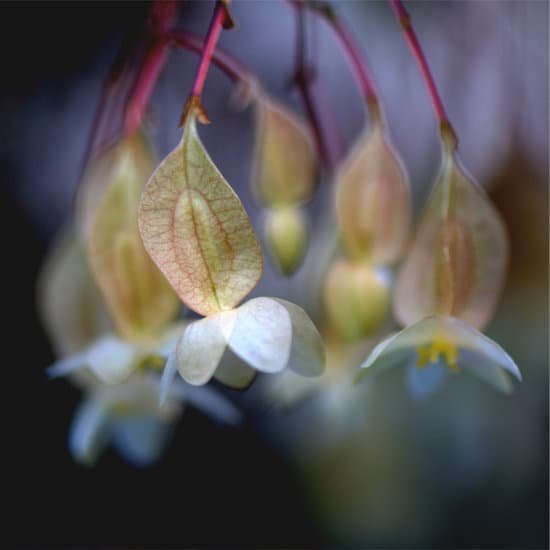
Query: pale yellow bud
x,y
356,299
286,237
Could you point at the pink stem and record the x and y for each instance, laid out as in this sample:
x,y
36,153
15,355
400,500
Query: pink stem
x,y
223,60
447,132
219,20
145,84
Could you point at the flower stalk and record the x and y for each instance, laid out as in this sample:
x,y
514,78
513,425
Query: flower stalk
x,y
448,135
356,61
220,20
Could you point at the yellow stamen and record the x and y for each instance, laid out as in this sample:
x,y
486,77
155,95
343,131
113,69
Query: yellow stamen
x,y
439,347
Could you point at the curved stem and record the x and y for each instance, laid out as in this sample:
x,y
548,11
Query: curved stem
x,y
221,19
161,17
447,132
233,68
356,61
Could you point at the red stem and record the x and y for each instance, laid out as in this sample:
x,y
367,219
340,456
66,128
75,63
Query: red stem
x,y
219,20
223,60
161,17
356,61
447,132
145,84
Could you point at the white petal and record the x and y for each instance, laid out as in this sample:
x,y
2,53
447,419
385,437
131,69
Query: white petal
x,y
394,351
89,430
482,356
262,335
424,381
307,352
111,360
477,353
141,439
201,346
167,379
67,365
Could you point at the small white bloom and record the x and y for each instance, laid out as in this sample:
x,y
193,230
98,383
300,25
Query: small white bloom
x,y
435,346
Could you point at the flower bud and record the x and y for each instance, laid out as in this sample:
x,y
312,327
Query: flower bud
x,y
286,236
356,299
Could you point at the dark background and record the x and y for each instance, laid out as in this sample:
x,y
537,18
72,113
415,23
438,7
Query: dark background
x,y
215,486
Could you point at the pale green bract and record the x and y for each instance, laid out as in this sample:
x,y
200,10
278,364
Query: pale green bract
x,y
196,230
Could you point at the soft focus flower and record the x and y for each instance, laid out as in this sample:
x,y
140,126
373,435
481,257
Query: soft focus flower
x,y
436,346
263,334
448,289
283,178
128,416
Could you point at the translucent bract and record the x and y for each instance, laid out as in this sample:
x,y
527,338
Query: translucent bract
x,y
137,295
285,168
373,201
457,263
196,230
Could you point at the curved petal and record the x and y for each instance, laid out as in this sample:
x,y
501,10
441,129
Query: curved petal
x,y
398,350
474,351
202,345
167,378
262,334
90,430
482,356
457,263
67,365
307,352
111,360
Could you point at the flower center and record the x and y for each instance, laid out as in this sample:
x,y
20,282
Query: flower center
x,y
440,347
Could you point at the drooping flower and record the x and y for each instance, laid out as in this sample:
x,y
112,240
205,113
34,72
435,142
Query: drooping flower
x,y
436,346
284,177
128,416
195,228
448,288
373,207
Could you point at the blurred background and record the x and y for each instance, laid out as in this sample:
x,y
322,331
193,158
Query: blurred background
x,y
346,468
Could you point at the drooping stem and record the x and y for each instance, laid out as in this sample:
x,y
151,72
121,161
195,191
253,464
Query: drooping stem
x,y
356,60
448,134
159,21
145,84
303,77
233,68
220,19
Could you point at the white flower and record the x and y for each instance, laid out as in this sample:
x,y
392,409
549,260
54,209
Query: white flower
x,y
438,345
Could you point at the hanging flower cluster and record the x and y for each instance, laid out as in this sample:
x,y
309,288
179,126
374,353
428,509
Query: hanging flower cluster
x,y
150,238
